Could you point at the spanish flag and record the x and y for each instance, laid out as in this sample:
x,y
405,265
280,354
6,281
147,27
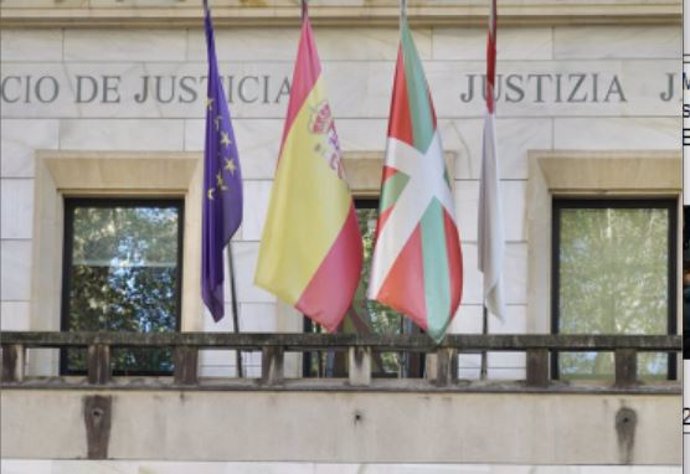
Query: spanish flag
x,y
311,248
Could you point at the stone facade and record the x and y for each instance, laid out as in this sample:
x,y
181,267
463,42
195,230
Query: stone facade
x,y
136,93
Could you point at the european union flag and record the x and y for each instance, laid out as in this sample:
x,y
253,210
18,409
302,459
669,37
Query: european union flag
x,y
222,208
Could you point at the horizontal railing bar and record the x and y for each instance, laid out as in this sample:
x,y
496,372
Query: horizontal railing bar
x,y
305,342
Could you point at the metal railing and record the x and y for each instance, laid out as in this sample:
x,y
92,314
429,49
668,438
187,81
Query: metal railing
x,y
273,346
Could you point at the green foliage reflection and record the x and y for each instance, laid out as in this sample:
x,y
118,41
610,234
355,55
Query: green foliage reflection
x,y
124,277
613,280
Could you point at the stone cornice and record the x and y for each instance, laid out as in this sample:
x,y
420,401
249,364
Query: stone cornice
x,y
187,13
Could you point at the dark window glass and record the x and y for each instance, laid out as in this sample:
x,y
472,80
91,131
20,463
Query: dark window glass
x,y
122,272
613,273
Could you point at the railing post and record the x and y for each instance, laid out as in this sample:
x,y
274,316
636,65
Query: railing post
x,y
186,362
12,362
272,358
537,367
98,364
446,367
359,366
626,367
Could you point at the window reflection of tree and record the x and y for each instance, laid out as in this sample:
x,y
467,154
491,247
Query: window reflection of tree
x,y
122,273
615,276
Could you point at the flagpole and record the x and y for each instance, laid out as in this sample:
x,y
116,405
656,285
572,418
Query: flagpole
x,y
483,371
235,313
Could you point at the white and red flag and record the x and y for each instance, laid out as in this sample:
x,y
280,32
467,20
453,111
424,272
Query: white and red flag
x,y
491,240
417,262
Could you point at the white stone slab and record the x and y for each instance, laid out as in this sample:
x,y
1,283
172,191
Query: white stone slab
x,y
125,45
468,320
362,134
15,265
471,277
30,45
515,274
356,89
506,360
617,133
258,143
503,373
610,87
513,203
513,43
20,466
258,317
280,44
515,321
226,323
14,316
20,139
595,42
17,206
245,255
514,136
256,198
135,134
217,358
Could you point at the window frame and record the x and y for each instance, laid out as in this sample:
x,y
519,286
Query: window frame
x,y
560,203
70,204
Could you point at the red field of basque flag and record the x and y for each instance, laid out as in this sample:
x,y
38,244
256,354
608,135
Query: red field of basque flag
x,y
311,247
417,262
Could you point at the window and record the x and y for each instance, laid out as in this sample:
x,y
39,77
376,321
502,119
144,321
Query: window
x,y
614,264
122,272
366,316
686,282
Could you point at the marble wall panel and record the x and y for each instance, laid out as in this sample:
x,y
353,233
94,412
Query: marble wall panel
x,y
362,134
31,45
503,360
17,206
515,321
469,44
14,316
471,277
512,201
258,317
245,255
20,139
506,373
258,143
595,42
15,268
514,136
20,466
356,89
217,358
256,198
617,133
468,320
280,44
125,45
130,135
611,87
514,274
